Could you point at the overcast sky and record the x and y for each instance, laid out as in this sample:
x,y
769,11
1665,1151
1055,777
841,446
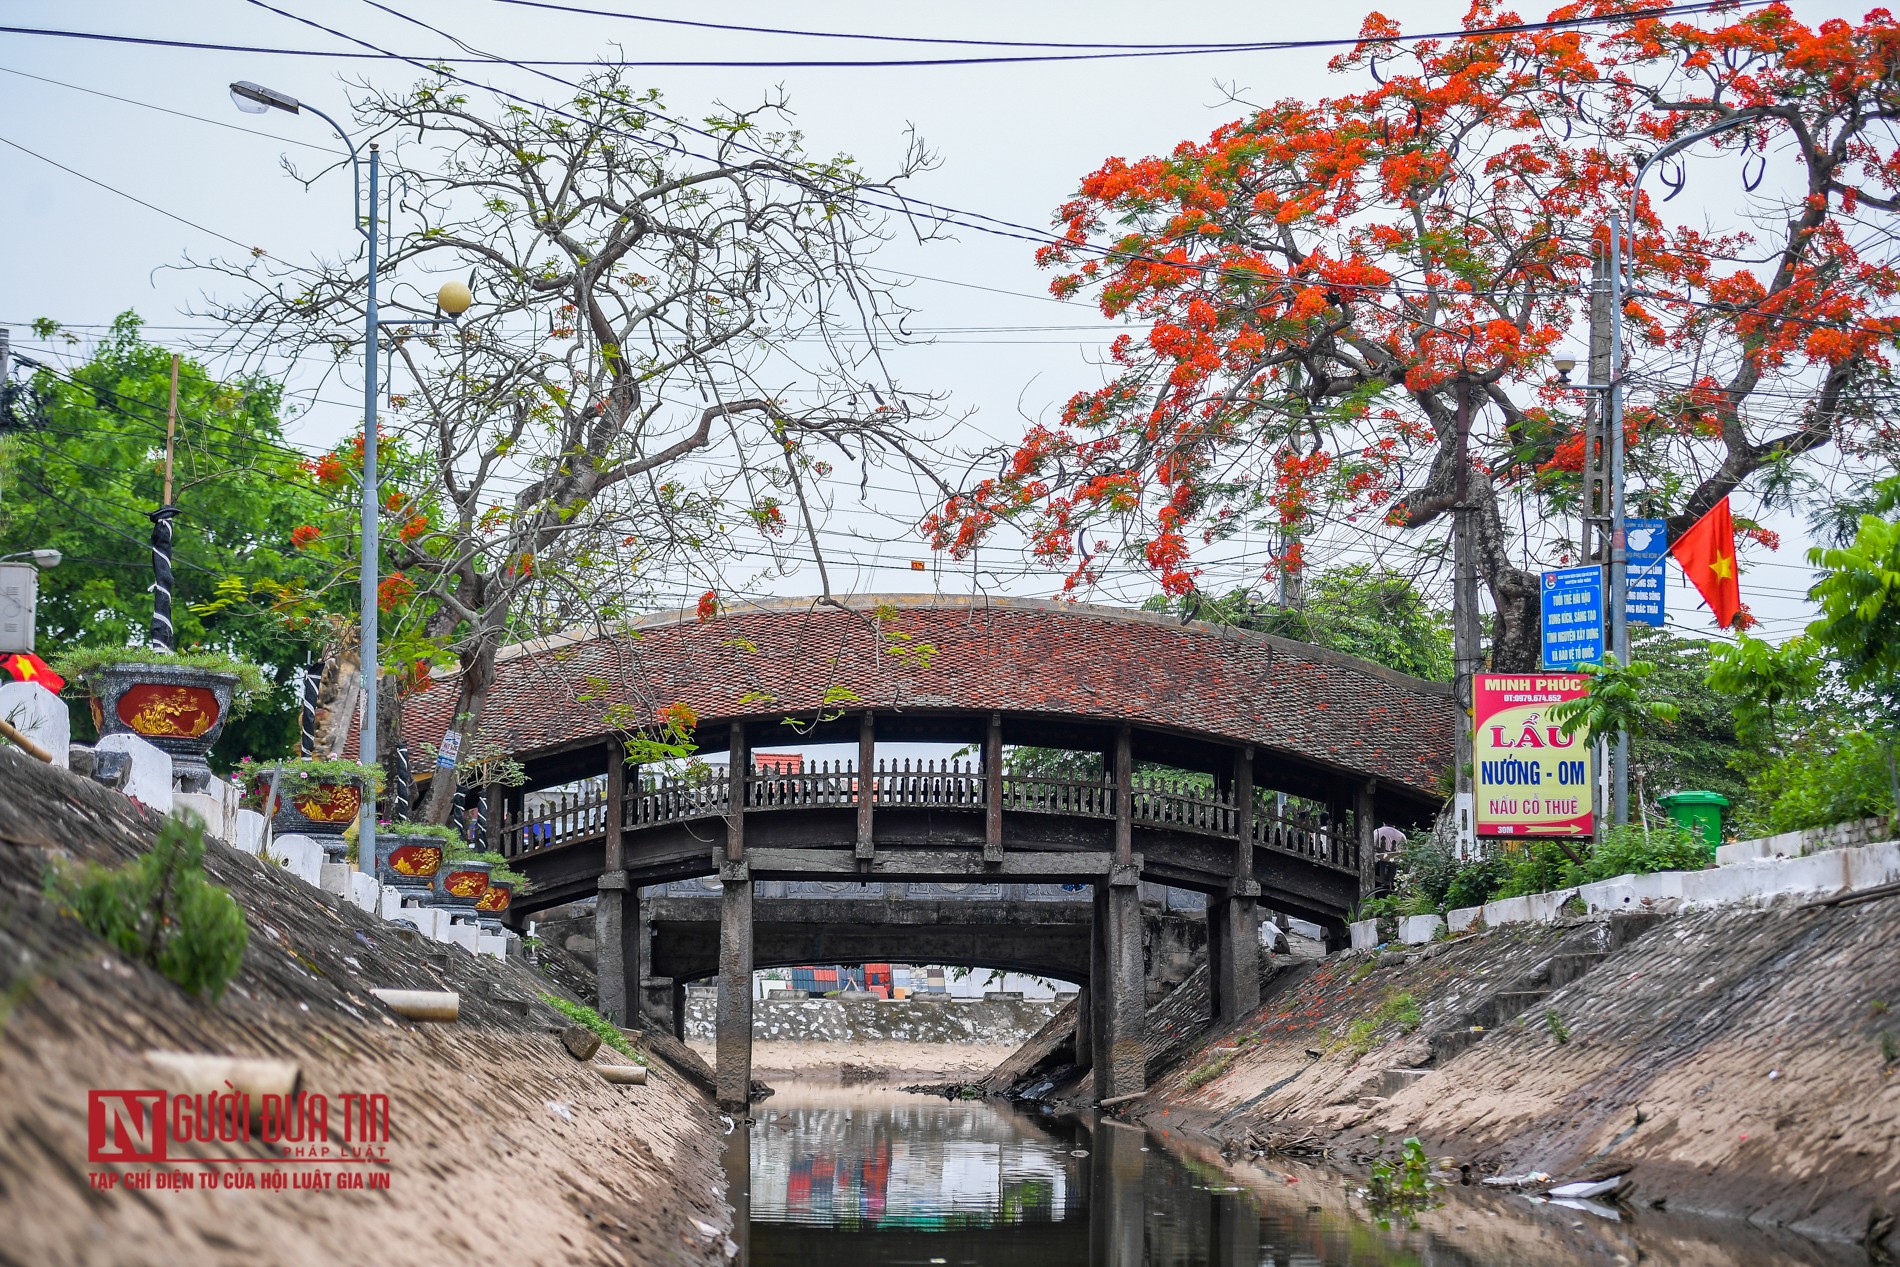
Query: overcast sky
x,y
1013,139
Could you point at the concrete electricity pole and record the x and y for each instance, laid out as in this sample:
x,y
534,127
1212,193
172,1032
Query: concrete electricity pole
x,y
1464,618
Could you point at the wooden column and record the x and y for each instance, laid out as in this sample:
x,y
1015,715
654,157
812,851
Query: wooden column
x,y
993,790
1243,813
610,902
867,784
1124,798
738,775
1365,820
732,1073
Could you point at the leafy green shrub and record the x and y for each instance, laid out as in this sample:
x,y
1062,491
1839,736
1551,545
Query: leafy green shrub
x,y
582,1014
1476,881
160,910
1537,867
1824,779
1629,850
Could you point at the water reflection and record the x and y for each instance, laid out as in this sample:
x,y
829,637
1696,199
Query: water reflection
x,y
852,1177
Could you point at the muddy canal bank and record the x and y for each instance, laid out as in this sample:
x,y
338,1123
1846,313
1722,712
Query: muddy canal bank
x,y
1738,1063
501,1146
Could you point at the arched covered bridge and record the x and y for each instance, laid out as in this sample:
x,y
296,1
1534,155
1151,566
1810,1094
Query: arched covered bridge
x,y
1249,768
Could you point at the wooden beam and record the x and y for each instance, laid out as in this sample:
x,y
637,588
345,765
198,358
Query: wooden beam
x,y
867,783
993,790
928,864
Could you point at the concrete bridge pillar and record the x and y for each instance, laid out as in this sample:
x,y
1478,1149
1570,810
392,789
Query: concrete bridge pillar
x,y
732,1072
1085,1028
1118,989
610,904
610,942
733,1033
1233,919
1233,952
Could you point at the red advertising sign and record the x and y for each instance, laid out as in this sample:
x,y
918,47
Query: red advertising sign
x,y
1531,778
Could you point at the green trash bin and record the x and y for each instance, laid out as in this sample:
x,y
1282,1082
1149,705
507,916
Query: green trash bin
x,y
1699,812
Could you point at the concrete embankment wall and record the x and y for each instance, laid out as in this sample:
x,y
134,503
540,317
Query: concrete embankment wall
x,y
990,1021
1736,1061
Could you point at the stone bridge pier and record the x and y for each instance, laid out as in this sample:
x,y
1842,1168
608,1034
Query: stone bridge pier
x,y
1124,949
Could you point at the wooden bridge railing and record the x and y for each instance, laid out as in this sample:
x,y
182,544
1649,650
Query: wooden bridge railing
x,y
1155,801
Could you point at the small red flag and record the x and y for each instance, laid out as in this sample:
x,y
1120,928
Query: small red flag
x,y
1707,555
27,667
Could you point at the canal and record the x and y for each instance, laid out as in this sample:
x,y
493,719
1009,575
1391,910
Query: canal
x,y
834,1176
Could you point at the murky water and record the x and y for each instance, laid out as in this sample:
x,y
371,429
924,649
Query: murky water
x,y
843,1177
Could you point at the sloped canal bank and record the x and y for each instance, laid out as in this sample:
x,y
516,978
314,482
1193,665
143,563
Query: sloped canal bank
x,y
829,1174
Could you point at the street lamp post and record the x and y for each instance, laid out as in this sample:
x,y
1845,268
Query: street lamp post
x,y
454,300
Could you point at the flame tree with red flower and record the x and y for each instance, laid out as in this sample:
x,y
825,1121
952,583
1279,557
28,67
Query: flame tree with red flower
x,y
1319,280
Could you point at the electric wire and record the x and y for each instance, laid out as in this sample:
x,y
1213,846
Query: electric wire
x,y
1109,53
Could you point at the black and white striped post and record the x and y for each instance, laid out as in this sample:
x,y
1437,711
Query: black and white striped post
x,y
307,722
403,791
164,637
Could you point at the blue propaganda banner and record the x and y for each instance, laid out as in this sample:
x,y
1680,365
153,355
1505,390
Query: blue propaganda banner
x,y
1573,617
1647,547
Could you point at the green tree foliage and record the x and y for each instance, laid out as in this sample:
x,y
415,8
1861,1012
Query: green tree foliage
x,y
1763,683
1709,748
1373,613
1619,700
1825,708
84,482
160,910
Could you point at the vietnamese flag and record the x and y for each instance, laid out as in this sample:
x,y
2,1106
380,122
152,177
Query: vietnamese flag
x,y
1707,555
27,667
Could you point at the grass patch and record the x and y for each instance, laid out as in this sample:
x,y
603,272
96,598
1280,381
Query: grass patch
x,y
1399,1009
1363,971
1208,1070
609,1032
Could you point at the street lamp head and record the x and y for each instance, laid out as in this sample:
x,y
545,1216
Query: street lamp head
x,y
454,298
1564,364
41,559
257,99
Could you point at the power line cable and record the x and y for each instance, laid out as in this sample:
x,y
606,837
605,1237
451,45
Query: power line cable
x,y
169,215
181,114
1664,11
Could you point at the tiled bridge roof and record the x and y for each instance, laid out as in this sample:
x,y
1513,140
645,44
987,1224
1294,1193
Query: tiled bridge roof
x,y
921,654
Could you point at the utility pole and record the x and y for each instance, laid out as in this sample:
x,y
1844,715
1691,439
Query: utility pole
x,y
1598,512
1464,620
1619,542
